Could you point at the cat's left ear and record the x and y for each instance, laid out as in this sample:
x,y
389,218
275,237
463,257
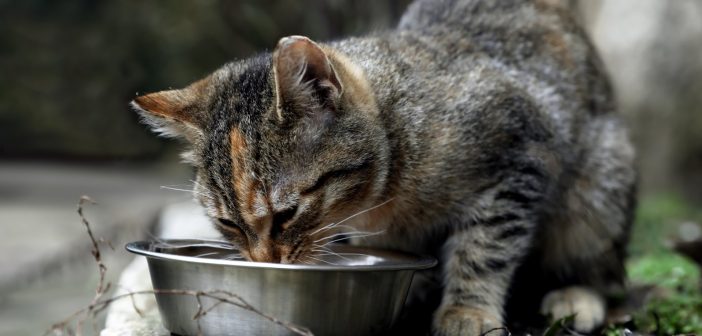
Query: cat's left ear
x,y
304,76
175,113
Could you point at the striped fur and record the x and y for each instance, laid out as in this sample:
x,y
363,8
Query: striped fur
x,y
486,129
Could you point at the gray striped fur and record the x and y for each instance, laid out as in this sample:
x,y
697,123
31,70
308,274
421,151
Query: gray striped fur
x,y
490,127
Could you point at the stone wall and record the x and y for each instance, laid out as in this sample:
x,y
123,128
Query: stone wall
x,y
653,50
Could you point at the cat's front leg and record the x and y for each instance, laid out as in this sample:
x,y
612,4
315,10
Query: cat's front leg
x,y
459,320
478,266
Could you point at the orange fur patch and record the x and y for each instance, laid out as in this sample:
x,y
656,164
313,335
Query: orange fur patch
x,y
240,179
163,103
175,104
379,218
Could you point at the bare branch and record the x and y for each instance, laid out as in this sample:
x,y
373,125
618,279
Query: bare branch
x,y
222,297
99,304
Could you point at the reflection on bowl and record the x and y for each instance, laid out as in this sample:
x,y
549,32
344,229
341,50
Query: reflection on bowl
x,y
352,291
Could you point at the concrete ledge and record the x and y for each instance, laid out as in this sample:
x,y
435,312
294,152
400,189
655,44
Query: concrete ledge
x,y
181,220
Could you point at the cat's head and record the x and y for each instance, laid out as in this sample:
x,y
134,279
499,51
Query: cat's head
x,y
283,144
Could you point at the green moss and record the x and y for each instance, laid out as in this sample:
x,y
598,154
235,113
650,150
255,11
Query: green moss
x,y
678,312
559,326
614,330
657,217
665,269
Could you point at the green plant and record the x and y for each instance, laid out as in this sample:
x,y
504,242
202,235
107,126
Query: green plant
x,y
656,216
679,311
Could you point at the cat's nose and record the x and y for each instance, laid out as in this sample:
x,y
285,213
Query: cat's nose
x,y
264,253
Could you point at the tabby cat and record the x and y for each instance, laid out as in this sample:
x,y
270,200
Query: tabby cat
x,y
482,132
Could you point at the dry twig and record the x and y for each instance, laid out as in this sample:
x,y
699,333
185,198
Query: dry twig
x,y
99,304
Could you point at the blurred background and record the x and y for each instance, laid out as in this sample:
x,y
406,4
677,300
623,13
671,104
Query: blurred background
x,y
69,68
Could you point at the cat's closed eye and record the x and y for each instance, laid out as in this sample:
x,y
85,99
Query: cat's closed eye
x,y
334,174
231,226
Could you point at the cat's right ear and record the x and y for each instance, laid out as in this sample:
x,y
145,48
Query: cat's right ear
x,y
173,113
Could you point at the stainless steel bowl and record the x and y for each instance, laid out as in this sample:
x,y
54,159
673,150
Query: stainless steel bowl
x,y
361,291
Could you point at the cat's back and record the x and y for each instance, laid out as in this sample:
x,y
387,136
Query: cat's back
x,y
527,35
483,48
458,77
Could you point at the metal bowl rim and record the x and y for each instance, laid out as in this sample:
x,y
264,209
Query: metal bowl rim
x,y
139,247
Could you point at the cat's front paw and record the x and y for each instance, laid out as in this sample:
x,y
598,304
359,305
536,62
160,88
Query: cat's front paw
x,y
466,321
587,305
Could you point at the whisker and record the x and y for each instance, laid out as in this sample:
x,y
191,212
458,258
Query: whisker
x,y
322,228
163,242
321,260
357,255
323,248
186,190
341,234
197,184
317,247
205,254
304,261
233,257
348,227
177,187
365,211
349,235
328,252
358,236
357,214
181,187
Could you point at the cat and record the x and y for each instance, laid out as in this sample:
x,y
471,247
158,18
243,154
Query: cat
x,y
482,132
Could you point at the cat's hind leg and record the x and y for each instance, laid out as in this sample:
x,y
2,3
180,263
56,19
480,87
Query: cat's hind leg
x,y
583,244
